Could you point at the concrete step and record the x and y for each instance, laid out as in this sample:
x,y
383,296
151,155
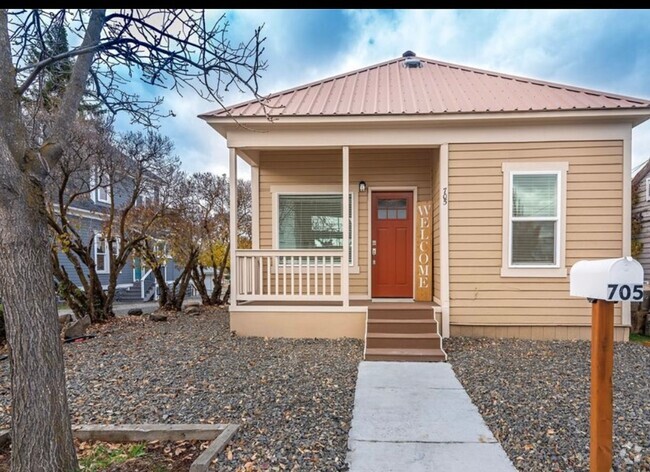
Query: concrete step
x,y
402,326
407,355
402,313
403,341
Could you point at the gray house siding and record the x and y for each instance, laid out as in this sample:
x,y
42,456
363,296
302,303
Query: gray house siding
x,y
87,228
641,210
87,225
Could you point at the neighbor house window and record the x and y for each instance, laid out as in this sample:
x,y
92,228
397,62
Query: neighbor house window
x,y
102,261
647,190
313,221
101,193
534,202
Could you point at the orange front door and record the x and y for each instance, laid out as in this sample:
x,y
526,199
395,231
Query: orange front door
x,y
391,249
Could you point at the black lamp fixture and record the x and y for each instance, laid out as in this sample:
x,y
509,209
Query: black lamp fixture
x,y
362,186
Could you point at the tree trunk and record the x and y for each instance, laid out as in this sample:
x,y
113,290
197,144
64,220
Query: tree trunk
x,y
40,421
198,277
218,283
226,297
163,296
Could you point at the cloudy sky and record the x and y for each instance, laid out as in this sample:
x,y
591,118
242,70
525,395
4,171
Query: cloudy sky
x,y
603,50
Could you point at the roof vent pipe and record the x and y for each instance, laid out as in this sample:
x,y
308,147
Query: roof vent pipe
x,y
410,60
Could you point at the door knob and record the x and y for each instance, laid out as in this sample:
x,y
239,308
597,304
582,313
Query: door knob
x,y
374,251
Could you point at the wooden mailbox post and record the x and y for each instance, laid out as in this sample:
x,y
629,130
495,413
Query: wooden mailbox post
x,y
603,283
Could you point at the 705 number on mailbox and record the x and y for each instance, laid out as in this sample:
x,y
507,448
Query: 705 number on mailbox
x,y
624,292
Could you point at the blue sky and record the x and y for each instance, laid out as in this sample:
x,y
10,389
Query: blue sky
x,y
606,50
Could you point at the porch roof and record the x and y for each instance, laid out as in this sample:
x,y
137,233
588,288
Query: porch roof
x,y
391,88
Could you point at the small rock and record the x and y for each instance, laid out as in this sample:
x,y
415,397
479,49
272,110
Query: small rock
x,y
63,319
135,312
156,317
192,305
77,328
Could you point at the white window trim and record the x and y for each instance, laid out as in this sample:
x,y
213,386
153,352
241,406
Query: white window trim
x,y
95,194
509,169
107,258
647,189
277,190
108,194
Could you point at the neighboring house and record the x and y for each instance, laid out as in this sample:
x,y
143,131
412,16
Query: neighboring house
x,y
135,282
471,195
641,215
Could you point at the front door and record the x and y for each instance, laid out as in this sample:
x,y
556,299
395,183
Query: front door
x,y
392,245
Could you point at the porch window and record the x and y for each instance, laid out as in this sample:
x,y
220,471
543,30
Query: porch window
x,y
534,215
313,221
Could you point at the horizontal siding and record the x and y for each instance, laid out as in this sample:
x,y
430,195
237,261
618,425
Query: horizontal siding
x,y
378,168
641,210
478,293
87,227
534,332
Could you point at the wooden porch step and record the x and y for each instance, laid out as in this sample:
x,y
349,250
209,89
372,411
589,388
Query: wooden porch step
x,y
411,355
403,340
402,326
403,313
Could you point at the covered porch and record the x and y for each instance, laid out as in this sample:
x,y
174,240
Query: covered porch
x,y
392,241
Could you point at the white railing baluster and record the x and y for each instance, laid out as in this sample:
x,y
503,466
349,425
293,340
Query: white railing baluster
x,y
284,275
276,269
245,275
250,273
268,275
308,281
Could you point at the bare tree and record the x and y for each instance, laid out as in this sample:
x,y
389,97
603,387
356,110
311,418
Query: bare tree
x,y
175,237
133,170
169,48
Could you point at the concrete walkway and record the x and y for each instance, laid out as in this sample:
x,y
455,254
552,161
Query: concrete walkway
x,y
417,417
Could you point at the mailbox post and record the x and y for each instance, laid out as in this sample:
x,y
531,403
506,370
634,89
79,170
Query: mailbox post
x,y
603,283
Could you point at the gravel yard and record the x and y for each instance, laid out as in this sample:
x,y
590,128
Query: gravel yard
x,y
293,398
534,396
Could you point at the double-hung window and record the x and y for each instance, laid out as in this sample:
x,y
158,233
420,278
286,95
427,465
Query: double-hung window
x,y
101,252
99,184
102,261
313,221
534,219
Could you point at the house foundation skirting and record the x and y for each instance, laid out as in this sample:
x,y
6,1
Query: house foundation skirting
x,y
621,333
295,323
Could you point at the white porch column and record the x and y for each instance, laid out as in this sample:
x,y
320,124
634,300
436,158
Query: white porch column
x,y
255,188
345,265
444,238
233,227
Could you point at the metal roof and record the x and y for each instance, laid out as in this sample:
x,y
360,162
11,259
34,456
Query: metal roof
x,y
390,88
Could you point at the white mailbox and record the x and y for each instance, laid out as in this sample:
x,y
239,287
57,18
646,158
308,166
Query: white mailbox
x,y
613,280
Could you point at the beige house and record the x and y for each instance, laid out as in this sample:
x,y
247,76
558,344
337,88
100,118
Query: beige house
x,y
469,196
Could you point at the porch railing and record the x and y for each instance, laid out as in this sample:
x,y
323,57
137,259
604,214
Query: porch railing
x,y
288,275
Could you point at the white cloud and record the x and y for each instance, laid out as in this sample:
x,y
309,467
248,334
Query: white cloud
x,y
564,46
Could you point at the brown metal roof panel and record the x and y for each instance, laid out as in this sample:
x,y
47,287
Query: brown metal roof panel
x,y
437,87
